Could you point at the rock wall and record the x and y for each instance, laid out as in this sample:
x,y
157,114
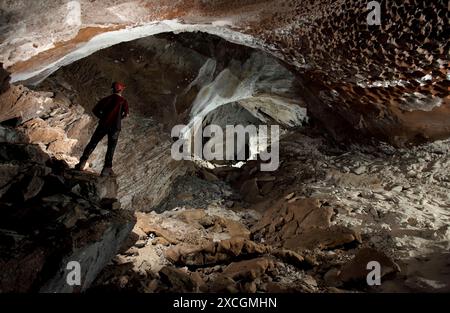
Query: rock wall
x,y
51,216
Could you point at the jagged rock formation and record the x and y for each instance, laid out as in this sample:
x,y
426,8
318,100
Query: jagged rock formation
x,y
51,216
46,119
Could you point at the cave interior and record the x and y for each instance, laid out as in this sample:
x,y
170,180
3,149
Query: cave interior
x,y
362,171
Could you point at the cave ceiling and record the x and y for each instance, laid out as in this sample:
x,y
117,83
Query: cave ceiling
x,y
390,80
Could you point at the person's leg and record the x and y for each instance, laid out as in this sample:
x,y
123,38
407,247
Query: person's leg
x,y
113,138
98,135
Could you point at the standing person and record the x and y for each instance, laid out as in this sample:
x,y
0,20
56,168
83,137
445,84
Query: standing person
x,y
110,110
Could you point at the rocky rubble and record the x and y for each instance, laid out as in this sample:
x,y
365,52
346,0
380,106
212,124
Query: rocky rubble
x,y
50,216
50,120
397,199
196,250
214,250
311,231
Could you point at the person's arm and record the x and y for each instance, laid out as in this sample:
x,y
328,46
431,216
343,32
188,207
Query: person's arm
x,y
99,108
125,111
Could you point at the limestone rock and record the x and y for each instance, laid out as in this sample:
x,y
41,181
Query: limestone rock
x,y
356,270
290,196
179,280
45,225
22,152
20,102
250,190
214,252
249,269
33,187
63,146
323,238
147,226
223,284
98,188
360,170
160,241
294,258
303,224
39,131
10,135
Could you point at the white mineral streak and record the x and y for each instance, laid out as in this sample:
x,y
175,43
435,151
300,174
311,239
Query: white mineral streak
x,y
109,39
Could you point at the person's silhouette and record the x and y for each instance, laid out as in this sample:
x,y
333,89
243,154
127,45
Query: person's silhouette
x,y
110,111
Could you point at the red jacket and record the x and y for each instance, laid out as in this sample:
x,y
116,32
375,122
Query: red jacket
x,y
110,110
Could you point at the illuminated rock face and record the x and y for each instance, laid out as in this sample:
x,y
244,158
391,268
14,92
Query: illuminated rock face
x,y
171,79
390,81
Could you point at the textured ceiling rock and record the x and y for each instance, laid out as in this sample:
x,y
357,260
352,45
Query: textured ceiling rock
x,y
390,81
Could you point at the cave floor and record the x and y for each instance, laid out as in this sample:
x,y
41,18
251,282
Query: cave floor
x,y
311,226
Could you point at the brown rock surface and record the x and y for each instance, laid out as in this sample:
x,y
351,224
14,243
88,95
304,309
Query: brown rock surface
x,y
303,224
249,269
356,270
214,252
179,280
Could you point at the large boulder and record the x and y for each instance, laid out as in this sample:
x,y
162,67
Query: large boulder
x,y
300,224
51,216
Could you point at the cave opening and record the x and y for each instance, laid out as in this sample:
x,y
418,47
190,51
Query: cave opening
x,y
173,79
